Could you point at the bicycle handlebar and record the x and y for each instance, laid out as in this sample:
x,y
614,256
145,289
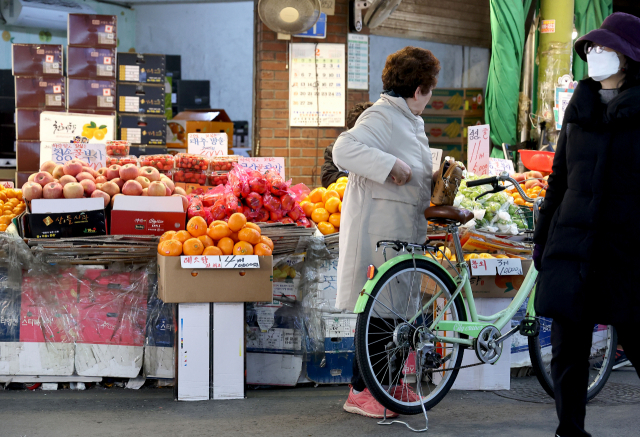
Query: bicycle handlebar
x,y
485,181
504,177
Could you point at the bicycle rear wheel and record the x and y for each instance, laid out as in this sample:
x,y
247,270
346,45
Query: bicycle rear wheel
x,y
601,358
386,338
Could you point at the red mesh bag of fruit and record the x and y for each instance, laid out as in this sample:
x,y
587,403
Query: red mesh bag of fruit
x,y
239,181
232,202
213,195
196,209
277,185
257,182
219,209
271,203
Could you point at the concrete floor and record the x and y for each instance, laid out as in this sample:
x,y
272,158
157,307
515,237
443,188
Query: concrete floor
x,y
285,412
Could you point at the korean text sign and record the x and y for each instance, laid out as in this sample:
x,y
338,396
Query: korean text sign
x,y
94,155
208,144
478,149
263,164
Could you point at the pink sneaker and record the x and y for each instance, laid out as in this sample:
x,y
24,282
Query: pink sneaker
x,y
404,393
366,405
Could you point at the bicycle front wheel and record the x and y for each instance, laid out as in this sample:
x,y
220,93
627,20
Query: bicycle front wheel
x,y
601,357
388,331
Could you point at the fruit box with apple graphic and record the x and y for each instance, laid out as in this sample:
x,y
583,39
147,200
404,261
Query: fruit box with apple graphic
x,y
65,218
141,215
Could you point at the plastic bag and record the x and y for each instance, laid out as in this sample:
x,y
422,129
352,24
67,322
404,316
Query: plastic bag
x,y
258,183
287,203
299,192
213,195
254,200
239,181
196,209
271,203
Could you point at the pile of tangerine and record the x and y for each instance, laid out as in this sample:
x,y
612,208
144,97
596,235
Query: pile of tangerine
x,y
324,206
11,206
237,237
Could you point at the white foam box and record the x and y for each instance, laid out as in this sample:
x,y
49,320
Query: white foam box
x,y
108,360
227,372
21,358
193,351
487,376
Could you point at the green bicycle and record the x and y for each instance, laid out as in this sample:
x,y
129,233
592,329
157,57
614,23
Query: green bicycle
x,y
415,321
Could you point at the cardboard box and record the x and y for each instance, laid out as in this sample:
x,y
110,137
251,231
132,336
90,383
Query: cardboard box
x,y
28,154
65,218
36,60
91,62
142,129
186,122
104,112
141,98
176,284
66,127
497,286
91,94
457,151
134,215
448,130
92,30
40,92
456,101
139,67
28,125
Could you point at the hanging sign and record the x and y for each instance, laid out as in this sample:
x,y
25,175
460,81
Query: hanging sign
x,y
478,149
263,164
319,30
208,144
563,97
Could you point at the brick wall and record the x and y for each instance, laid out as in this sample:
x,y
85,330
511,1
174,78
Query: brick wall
x,y
302,148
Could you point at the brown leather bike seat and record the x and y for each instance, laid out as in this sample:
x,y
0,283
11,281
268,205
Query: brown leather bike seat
x,y
443,213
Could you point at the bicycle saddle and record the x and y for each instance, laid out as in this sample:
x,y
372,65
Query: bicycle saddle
x,y
443,213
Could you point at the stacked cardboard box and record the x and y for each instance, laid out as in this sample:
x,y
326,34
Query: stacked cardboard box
x,y
39,86
447,116
141,99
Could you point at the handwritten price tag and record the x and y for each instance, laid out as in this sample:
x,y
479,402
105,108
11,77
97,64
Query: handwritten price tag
x,y
491,267
497,166
208,144
220,262
93,154
478,149
508,267
263,164
483,267
7,184
436,159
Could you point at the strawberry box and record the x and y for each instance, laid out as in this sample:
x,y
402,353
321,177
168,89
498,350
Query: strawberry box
x,y
121,160
223,163
191,162
159,162
117,148
218,178
190,176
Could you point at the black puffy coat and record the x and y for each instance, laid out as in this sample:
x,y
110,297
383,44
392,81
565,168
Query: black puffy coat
x,y
589,220
330,172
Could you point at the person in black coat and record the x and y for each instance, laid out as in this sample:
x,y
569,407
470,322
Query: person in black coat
x,y
330,172
585,236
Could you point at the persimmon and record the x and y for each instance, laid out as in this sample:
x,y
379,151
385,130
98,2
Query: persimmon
x,y
170,248
197,226
167,236
267,241
226,246
212,250
181,236
262,249
218,230
243,248
249,235
192,246
206,241
237,222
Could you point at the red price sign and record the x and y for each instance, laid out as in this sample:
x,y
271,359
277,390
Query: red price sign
x,y
478,149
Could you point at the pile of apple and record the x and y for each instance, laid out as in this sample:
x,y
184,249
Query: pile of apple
x,y
75,180
531,179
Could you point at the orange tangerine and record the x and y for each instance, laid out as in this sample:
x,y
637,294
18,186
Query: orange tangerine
x,y
334,219
243,248
3,228
326,228
212,250
340,188
249,235
267,241
342,180
167,236
218,230
206,241
332,187
237,222
318,205
234,237
181,236
170,248
262,249
320,215
307,207
192,246
197,226
340,207
226,246
332,204
316,195
253,226
329,194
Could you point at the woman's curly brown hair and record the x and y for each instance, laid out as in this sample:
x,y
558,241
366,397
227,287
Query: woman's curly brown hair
x,y
408,69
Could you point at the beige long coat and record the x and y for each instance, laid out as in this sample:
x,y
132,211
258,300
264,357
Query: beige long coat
x,y
374,207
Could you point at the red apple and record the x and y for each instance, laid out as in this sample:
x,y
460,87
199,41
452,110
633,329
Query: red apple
x,y
111,188
150,173
169,183
99,186
91,171
31,190
185,201
113,172
145,192
73,190
105,196
43,178
58,172
32,177
72,168
143,181
101,179
157,189
132,188
113,198
128,172
64,180
89,186
48,166
52,190
85,175
119,182
103,171
179,190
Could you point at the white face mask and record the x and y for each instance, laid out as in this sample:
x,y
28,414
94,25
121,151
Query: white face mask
x,y
602,65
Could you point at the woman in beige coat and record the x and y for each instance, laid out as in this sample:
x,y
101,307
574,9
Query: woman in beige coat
x,y
390,172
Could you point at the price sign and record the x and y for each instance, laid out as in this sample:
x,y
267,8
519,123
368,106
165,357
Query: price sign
x,y
92,154
478,149
263,164
483,267
208,144
7,184
506,267
497,166
220,262
499,266
436,159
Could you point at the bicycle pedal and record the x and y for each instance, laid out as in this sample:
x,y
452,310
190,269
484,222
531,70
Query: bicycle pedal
x,y
529,327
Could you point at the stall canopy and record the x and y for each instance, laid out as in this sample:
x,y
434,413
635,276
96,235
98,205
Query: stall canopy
x,y
503,86
589,15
